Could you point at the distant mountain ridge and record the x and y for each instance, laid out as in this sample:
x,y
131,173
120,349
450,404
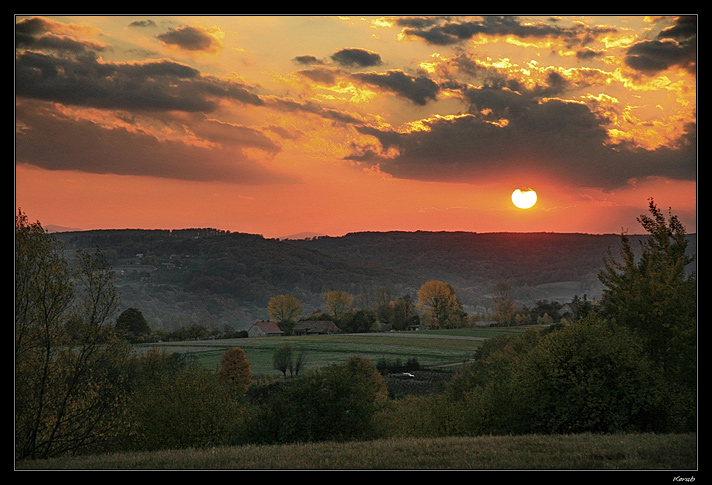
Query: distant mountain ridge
x,y
303,235
208,275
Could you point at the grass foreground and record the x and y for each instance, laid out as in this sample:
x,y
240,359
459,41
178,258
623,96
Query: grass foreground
x,y
671,452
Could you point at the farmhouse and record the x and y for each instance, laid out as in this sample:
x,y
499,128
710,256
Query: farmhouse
x,y
315,327
264,329
569,310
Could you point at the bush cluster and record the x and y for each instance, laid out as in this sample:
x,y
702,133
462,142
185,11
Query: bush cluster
x,y
390,366
589,376
176,404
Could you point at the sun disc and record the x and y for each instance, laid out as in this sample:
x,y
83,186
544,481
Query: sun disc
x,y
524,198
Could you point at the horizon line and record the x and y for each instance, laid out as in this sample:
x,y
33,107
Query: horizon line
x,y
53,229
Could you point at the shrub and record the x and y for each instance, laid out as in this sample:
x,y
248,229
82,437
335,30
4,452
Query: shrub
x,y
186,408
334,403
588,377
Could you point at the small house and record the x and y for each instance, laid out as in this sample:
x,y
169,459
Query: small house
x,y
316,327
264,329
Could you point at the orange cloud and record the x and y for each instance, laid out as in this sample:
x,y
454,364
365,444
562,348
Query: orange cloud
x,y
428,124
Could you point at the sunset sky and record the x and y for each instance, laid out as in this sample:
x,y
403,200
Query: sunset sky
x,y
278,125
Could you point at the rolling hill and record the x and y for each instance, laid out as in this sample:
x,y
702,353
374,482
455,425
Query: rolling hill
x,y
179,277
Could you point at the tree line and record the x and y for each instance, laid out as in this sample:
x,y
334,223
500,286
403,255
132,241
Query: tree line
x,y
217,277
625,364
437,306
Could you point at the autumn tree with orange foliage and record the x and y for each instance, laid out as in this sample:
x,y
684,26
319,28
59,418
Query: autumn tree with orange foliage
x,y
441,305
235,369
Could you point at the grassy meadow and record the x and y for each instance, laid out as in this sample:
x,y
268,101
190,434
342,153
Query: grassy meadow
x,y
672,453
430,348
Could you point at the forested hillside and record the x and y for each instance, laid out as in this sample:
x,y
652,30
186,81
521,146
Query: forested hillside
x,y
536,266
214,277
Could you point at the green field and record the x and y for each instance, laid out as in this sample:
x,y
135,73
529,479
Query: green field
x,y
429,348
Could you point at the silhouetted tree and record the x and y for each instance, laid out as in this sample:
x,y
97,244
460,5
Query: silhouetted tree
x,y
70,368
655,295
282,359
132,323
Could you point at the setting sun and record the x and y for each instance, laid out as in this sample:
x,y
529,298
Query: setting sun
x,y
243,123
524,198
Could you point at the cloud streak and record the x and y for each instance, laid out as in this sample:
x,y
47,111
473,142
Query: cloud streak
x,y
70,72
58,142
